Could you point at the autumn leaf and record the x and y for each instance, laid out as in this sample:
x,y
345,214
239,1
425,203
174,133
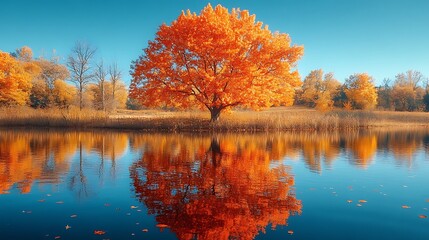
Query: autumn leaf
x,y
99,232
162,225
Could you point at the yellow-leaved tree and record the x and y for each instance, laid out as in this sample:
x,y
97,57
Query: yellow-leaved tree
x,y
216,60
15,81
360,91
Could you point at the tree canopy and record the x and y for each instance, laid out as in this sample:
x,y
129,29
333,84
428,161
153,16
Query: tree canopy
x,y
15,81
216,60
360,91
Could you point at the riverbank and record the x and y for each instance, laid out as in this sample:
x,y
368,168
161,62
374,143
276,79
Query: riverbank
x,y
271,120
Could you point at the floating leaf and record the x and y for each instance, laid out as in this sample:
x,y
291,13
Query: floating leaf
x,y
99,232
422,216
162,225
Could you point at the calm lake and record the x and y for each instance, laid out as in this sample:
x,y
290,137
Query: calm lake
x,y
111,185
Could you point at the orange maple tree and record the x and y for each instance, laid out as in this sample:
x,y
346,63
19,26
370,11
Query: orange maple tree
x,y
216,60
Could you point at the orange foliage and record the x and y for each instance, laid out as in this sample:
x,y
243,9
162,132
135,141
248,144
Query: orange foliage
x,y
15,81
360,90
216,60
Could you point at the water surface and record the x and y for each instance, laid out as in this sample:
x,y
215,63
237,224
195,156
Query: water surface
x,y
72,185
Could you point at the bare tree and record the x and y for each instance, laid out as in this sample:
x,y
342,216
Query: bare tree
x,y
80,68
115,78
100,76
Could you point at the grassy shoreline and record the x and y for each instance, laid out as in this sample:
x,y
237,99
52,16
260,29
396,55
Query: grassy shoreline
x,y
271,120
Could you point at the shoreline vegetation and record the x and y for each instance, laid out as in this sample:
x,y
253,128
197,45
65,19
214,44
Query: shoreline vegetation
x,y
277,119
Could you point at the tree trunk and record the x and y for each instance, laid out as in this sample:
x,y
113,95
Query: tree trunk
x,y
215,114
215,151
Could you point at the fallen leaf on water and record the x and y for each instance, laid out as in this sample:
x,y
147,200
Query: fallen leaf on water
x,y
73,216
422,216
134,207
349,201
99,232
59,202
405,206
145,230
362,201
162,225
67,227
290,232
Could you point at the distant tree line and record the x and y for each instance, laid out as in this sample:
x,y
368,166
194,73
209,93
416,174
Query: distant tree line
x,y
408,92
46,83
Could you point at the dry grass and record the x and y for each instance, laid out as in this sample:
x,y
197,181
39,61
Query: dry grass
x,y
275,119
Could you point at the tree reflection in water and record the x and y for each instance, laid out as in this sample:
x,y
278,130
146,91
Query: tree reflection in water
x,y
223,187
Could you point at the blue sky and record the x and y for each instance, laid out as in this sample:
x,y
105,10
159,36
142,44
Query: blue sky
x,y
380,37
